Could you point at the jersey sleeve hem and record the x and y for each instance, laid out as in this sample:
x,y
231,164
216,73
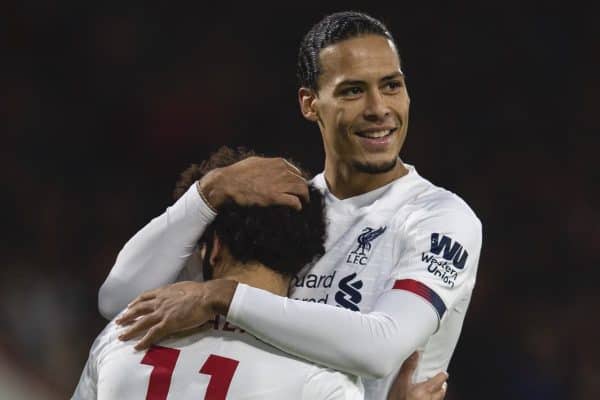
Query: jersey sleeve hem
x,y
237,302
200,204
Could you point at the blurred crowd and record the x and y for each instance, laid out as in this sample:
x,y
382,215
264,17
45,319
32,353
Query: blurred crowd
x,y
103,107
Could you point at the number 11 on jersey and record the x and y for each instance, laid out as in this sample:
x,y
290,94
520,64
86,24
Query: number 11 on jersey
x,y
163,359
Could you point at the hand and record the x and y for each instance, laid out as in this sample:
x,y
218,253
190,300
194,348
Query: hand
x,y
174,308
403,388
256,181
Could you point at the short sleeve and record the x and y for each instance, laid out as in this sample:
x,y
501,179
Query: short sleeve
x,y
327,384
439,258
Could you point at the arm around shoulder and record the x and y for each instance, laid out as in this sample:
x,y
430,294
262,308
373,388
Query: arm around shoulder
x,y
155,255
333,336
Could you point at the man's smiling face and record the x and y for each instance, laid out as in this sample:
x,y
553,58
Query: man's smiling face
x,y
362,103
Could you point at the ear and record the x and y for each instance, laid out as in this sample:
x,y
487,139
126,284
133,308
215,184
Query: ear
x,y
307,100
200,251
215,251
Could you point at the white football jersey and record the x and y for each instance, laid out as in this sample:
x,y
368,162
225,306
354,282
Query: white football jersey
x,y
408,235
217,362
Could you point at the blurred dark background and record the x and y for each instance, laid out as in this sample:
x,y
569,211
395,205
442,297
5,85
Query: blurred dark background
x,y
102,105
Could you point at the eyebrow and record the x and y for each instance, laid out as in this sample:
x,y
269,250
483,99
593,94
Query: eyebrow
x,y
350,83
395,75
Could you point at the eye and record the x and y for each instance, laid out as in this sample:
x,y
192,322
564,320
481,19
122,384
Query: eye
x,y
393,86
351,91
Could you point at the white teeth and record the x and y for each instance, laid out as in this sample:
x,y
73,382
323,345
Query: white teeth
x,y
374,135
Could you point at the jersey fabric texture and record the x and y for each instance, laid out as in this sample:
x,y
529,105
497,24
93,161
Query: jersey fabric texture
x,y
218,362
399,270
410,236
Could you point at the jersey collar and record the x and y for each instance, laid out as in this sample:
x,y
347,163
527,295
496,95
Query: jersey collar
x,y
366,199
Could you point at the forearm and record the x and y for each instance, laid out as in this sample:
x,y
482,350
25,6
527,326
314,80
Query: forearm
x,y
155,255
369,345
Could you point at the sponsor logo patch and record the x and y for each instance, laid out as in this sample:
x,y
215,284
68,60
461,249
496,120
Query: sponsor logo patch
x,y
444,258
349,294
314,281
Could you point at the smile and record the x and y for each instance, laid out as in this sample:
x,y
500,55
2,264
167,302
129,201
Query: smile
x,y
376,134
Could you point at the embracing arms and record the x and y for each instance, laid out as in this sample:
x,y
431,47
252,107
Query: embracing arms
x,y
155,255
332,336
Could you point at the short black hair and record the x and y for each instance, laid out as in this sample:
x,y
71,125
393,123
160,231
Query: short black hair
x,y
332,29
280,238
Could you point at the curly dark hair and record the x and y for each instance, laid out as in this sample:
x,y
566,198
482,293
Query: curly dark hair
x,y
279,237
332,29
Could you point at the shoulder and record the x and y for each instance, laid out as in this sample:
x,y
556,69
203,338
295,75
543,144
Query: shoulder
x,y
441,204
430,203
432,217
105,340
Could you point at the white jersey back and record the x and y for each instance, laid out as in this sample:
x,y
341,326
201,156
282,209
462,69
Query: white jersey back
x,y
408,235
217,363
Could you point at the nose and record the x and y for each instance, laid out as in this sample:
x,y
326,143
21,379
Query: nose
x,y
376,110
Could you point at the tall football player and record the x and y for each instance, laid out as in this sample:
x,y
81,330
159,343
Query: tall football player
x,y
401,256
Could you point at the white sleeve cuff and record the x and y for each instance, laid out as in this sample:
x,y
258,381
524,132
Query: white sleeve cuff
x,y
197,203
237,302
187,218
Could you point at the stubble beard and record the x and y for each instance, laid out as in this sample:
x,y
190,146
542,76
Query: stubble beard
x,y
375,168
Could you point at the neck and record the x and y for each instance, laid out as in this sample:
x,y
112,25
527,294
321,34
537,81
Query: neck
x,y
345,181
258,276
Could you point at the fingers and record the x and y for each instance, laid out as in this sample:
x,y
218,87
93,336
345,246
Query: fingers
x,y
298,189
407,369
140,326
437,382
292,167
440,394
153,335
267,181
289,200
149,295
135,311
298,184
410,364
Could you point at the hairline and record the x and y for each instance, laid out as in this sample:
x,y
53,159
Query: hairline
x,y
319,70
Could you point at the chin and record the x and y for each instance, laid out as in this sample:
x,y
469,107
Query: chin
x,y
373,167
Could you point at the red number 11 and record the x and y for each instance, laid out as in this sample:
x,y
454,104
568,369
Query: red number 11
x,y
163,359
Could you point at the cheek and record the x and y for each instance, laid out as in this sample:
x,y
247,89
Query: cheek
x,y
341,120
400,108
404,103
348,116
338,118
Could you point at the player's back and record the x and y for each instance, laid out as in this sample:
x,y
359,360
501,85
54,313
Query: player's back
x,y
218,362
